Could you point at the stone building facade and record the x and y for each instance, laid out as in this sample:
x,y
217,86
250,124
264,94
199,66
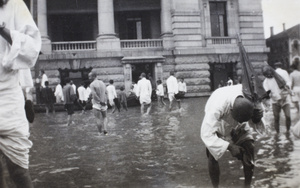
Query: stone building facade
x,y
122,38
284,46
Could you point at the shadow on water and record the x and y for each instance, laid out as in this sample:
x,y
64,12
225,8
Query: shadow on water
x,y
162,149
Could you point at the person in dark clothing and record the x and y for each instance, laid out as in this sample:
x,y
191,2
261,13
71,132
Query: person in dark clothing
x,y
122,98
48,98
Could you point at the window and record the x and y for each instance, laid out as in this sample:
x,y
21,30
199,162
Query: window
x,y
218,19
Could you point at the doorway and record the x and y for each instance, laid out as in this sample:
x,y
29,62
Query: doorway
x,y
220,72
138,68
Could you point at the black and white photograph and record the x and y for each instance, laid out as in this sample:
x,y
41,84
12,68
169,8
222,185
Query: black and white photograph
x,y
149,94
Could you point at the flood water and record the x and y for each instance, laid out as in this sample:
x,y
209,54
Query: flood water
x,y
163,149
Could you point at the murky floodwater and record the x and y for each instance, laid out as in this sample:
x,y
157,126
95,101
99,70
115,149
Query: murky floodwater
x,y
163,149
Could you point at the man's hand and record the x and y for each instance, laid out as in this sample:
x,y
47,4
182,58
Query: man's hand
x,y
236,151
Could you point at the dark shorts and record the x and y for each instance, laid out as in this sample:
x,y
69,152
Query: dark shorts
x,y
82,103
180,95
69,108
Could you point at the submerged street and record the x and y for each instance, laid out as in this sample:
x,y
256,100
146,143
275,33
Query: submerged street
x,y
163,149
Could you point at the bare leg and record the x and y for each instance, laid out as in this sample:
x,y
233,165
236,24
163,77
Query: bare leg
x,y
287,113
149,108
47,110
105,121
170,105
142,108
69,119
98,119
179,103
248,169
214,170
276,113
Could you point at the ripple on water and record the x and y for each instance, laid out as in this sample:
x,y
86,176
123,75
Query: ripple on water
x,y
63,170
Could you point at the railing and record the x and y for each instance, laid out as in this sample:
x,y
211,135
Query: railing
x,y
220,40
144,43
74,46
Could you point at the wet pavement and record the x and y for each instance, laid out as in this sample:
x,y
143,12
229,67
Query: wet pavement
x,y
163,149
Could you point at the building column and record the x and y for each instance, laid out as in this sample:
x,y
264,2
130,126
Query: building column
x,y
107,39
127,76
166,24
43,26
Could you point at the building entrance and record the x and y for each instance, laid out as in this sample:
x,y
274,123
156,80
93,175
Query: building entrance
x,y
137,69
220,72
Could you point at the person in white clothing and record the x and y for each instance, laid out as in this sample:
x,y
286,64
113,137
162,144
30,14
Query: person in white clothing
x,y
44,78
160,93
81,96
59,93
73,86
295,84
144,91
279,96
20,45
181,89
111,95
225,127
172,87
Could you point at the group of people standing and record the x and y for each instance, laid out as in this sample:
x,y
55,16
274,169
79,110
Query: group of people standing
x,y
175,91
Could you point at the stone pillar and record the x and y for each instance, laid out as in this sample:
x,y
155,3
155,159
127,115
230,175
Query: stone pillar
x,y
127,76
43,26
166,24
158,71
107,39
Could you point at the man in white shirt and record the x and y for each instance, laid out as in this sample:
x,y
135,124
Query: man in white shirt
x,y
226,115
172,87
181,89
59,93
81,96
44,78
144,91
111,95
279,96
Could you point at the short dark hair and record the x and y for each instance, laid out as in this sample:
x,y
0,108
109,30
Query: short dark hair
x,y
159,81
111,81
143,75
46,83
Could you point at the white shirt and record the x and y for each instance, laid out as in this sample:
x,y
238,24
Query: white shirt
x,y
285,75
182,86
74,87
111,92
87,93
172,85
160,90
59,91
218,119
144,90
81,93
271,84
44,79
295,79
